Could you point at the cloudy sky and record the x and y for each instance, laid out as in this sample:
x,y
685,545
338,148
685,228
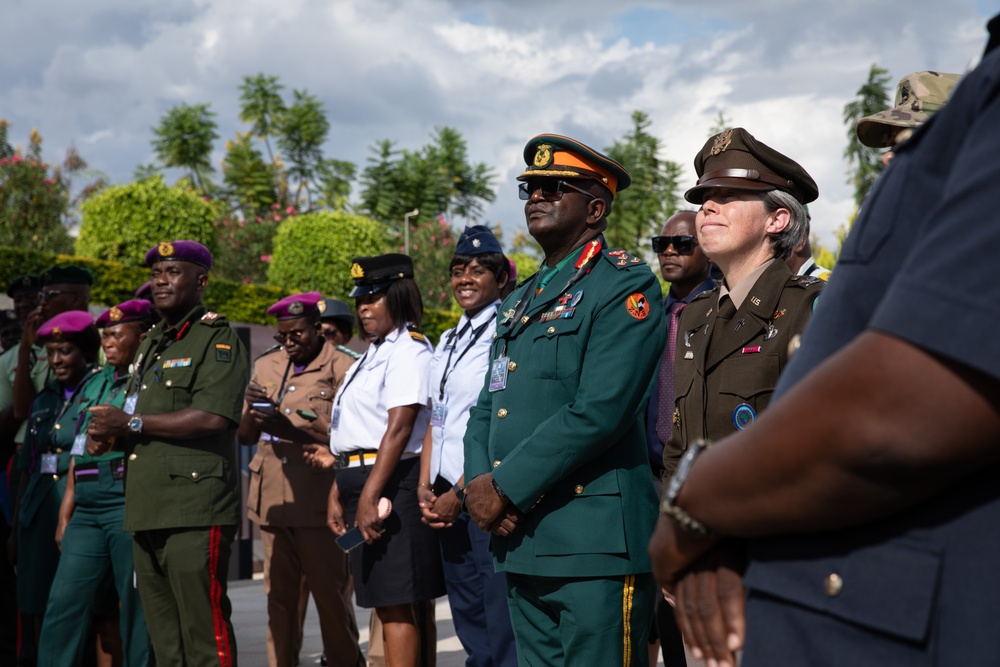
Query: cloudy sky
x,y
100,74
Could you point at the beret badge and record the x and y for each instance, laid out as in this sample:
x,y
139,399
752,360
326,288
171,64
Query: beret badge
x,y
115,314
722,141
357,271
166,249
295,308
321,306
56,333
543,157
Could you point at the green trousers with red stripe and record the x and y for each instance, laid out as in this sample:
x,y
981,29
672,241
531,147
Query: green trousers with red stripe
x,y
581,622
182,577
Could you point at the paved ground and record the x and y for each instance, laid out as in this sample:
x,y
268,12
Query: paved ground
x,y
250,622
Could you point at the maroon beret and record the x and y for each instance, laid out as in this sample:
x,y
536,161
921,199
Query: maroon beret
x,y
185,251
132,310
65,325
296,305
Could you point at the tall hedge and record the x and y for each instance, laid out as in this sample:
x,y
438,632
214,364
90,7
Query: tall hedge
x,y
122,222
314,251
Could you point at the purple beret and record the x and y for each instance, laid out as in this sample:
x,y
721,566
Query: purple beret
x,y
296,305
65,325
187,251
146,291
512,271
132,310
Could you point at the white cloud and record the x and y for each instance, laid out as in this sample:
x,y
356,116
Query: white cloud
x,y
102,76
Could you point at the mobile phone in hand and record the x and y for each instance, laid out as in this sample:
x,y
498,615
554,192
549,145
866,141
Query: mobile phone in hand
x,y
263,408
353,538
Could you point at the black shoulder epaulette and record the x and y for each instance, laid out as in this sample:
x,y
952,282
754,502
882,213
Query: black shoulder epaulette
x,y
621,259
273,348
805,281
416,334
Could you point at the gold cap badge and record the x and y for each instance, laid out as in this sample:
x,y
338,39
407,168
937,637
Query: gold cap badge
x,y
357,271
165,249
115,314
295,308
722,141
322,306
56,332
543,158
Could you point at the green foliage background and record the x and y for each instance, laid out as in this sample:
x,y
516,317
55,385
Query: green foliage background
x,y
314,251
122,222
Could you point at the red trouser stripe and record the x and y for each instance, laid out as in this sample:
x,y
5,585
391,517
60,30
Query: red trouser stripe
x,y
221,629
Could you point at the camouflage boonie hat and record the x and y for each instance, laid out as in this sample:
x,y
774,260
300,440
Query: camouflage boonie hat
x,y
918,96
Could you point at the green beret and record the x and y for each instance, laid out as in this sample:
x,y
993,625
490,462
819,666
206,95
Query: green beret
x,y
23,284
734,159
67,275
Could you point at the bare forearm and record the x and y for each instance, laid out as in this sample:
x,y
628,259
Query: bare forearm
x,y
845,445
24,391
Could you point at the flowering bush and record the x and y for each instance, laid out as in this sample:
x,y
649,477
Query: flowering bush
x,y
432,244
248,245
33,198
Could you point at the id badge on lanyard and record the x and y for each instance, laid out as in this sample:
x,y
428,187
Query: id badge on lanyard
x,y
498,373
50,464
79,444
438,413
130,401
335,418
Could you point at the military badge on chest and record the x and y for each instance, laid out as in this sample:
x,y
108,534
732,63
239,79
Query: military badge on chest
x,y
564,309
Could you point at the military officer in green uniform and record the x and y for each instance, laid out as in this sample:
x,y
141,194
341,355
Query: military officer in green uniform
x,y
555,449
182,406
71,343
733,341
96,551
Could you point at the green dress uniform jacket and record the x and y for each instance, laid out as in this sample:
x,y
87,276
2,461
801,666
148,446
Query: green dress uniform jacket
x,y
565,438
725,372
188,483
53,425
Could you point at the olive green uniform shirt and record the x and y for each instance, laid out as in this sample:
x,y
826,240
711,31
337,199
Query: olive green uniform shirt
x,y
184,483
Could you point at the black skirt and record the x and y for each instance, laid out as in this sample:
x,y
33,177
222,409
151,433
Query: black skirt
x,y
403,566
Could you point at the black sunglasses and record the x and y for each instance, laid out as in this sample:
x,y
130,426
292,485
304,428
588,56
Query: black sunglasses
x,y
683,245
551,190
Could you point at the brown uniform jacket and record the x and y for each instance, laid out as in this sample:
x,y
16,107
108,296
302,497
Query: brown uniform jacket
x,y
284,490
725,373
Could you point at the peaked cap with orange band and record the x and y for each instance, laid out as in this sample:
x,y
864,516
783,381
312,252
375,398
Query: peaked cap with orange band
x,y
555,156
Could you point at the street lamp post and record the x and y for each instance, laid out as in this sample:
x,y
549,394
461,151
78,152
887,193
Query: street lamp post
x,y
406,229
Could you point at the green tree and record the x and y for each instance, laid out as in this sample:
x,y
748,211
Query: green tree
x,y
34,200
864,162
184,140
314,251
720,123
639,212
335,178
438,179
262,107
304,127
122,222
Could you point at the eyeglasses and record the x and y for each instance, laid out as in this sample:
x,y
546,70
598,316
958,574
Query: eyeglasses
x,y
551,190
295,335
50,294
683,245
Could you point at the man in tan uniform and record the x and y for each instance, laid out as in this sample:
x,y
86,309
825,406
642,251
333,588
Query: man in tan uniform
x,y
288,404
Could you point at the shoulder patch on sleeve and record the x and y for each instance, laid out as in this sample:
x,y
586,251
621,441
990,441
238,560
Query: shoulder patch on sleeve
x,y
621,259
637,305
223,352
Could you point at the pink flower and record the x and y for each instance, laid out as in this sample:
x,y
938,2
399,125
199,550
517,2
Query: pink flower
x,y
433,239
275,206
48,181
242,222
246,281
15,159
290,210
3,162
277,218
260,219
265,258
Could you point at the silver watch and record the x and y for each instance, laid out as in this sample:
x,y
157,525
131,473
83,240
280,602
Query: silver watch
x,y
683,469
135,424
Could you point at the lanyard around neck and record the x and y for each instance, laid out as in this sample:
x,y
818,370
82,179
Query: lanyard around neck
x,y
476,334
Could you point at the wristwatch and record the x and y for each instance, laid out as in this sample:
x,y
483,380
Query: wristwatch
x,y
668,506
459,492
135,424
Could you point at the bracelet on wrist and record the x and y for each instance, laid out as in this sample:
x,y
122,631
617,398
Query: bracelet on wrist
x,y
426,485
496,487
688,523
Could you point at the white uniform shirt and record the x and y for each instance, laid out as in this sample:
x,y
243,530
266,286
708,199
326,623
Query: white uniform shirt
x,y
466,375
389,375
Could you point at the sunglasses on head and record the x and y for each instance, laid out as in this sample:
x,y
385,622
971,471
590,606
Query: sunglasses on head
x,y
552,190
683,245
